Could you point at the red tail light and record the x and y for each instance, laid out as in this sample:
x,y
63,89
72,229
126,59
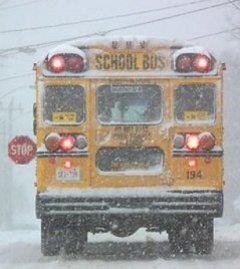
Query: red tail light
x,y
192,141
52,141
57,64
201,63
67,143
206,141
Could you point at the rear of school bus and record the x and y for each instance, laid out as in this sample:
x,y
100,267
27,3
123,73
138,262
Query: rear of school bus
x,y
129,135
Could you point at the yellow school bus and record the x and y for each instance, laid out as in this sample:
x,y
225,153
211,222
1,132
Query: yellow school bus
x,y
129,135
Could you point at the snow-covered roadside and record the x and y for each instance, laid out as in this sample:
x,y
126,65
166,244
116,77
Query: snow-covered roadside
x,y
21,249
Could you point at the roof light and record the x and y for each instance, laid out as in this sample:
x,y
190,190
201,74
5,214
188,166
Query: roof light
x,y
202,63
184,63
75,63
57,64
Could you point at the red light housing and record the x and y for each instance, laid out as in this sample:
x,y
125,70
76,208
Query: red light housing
x,y
202,63
57,64
66,62
52,141
206,141
192,141
184,63
75,63
190,62
67,143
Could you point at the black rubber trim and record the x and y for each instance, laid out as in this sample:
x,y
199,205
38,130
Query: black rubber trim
x,y
44,154
179,203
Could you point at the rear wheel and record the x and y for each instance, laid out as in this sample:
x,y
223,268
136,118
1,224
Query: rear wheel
x,y
75,239
50,237
204,236
180,238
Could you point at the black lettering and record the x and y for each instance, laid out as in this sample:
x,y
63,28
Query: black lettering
x,y
153,62
121,61
145,61
161,63
99,62
114,62
129,62
106,64
135,66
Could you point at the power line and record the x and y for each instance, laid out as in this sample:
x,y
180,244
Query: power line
x,y
214,34
18,76
234,4
118,28
13,90
19,5
104,18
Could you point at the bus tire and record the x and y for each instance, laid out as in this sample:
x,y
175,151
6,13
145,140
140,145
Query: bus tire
x,y
204,237
180,239
75,240
50,238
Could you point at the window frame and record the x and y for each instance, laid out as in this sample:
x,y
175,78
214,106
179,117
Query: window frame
x,y
48,123
197,122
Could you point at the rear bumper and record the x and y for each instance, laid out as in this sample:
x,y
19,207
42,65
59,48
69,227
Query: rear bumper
x,y
97,203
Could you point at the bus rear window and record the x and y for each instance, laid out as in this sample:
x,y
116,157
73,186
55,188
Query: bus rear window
x,y
194,103
129,104
63,105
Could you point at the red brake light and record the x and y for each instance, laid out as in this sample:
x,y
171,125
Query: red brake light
x,y
192,141
67,143
184,63
75,63
57,64
52,141
202,63
67,164
206,141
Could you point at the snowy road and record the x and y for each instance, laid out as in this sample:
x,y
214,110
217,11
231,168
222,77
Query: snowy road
x,y
21,249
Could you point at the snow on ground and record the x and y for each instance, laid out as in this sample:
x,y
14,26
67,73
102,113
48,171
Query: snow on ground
x,y
21,249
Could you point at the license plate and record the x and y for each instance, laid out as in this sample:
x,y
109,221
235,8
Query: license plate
x,y
72,174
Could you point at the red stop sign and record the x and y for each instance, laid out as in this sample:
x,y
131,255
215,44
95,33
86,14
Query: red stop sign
x,y
21,149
